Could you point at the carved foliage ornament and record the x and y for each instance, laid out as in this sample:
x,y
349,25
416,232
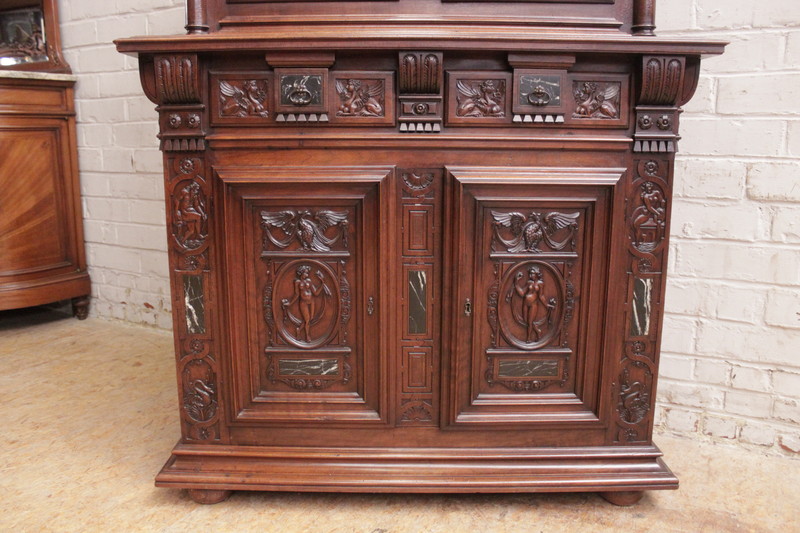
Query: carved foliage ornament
x,y
177,79
420,73
310,230
243,98
526,233
662,80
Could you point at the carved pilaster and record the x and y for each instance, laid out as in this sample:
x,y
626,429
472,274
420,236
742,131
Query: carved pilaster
x,y
188,195
647,226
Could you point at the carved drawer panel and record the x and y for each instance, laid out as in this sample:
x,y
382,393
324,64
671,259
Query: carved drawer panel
x,y
599,100
362,97
531,293
241,97
478,98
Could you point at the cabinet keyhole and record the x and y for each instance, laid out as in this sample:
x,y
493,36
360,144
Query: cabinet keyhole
x,y
468,307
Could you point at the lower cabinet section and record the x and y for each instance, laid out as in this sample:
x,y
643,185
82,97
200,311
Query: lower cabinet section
x,y
380,328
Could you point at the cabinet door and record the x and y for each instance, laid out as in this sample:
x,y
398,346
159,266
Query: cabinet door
x,y
531,248
304,254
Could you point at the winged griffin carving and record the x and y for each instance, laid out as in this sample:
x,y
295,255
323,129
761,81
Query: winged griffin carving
x,y
249,100
480,98
596,101
359,98
306,228
528,232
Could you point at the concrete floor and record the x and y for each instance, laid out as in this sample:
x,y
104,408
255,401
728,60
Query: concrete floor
x,y
89,415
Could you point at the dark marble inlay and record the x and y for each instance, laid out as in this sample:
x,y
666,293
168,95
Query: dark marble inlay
x,y
308,367
642,306
194,304
549,84
527,368
417,302
299,90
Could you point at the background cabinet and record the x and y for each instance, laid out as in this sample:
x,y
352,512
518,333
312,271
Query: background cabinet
x,y
42,258
418,253
41,231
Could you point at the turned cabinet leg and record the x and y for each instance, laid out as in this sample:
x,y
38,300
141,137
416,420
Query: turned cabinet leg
x,y
623,498
208,497
80,307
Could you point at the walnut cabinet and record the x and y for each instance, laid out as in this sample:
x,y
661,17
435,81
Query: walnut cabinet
x,y
418,246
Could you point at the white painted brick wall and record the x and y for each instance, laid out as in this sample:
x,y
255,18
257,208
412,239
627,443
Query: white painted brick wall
x,y
734,287
731,350
123,195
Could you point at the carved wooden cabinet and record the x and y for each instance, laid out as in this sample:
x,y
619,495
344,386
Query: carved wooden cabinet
x,y
42,258
418,246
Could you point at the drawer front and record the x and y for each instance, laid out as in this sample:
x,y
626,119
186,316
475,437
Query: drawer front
x,y
532,253
303,269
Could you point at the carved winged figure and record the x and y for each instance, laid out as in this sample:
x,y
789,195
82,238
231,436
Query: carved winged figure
x,y
528,232
480,100
308,229
247,101
359,99
596,103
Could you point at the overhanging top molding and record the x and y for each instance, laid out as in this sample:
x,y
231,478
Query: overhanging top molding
x,y
430,37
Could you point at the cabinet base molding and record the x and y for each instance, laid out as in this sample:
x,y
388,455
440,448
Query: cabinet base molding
x,y
587,469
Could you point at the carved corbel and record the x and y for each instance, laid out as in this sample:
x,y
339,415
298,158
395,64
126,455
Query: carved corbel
x,y
172,81
663,89
421,92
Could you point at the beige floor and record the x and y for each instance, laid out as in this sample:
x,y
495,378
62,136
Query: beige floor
x,y
89,414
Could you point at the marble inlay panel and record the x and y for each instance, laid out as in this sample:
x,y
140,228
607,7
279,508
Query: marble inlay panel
x,y
544,89
194,304
301,90
642,306
417,302
526,368
308,367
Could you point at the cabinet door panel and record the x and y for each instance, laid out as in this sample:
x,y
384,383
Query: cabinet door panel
x,y
33,230
531,248
304,252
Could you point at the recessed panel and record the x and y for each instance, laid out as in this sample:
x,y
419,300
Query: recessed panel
x,y
533,293
303,301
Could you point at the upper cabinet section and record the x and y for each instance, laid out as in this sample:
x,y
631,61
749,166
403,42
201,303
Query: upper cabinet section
x,y
627,16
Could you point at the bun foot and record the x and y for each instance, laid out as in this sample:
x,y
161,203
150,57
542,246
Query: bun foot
x,y
80,307
623,498
208,497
